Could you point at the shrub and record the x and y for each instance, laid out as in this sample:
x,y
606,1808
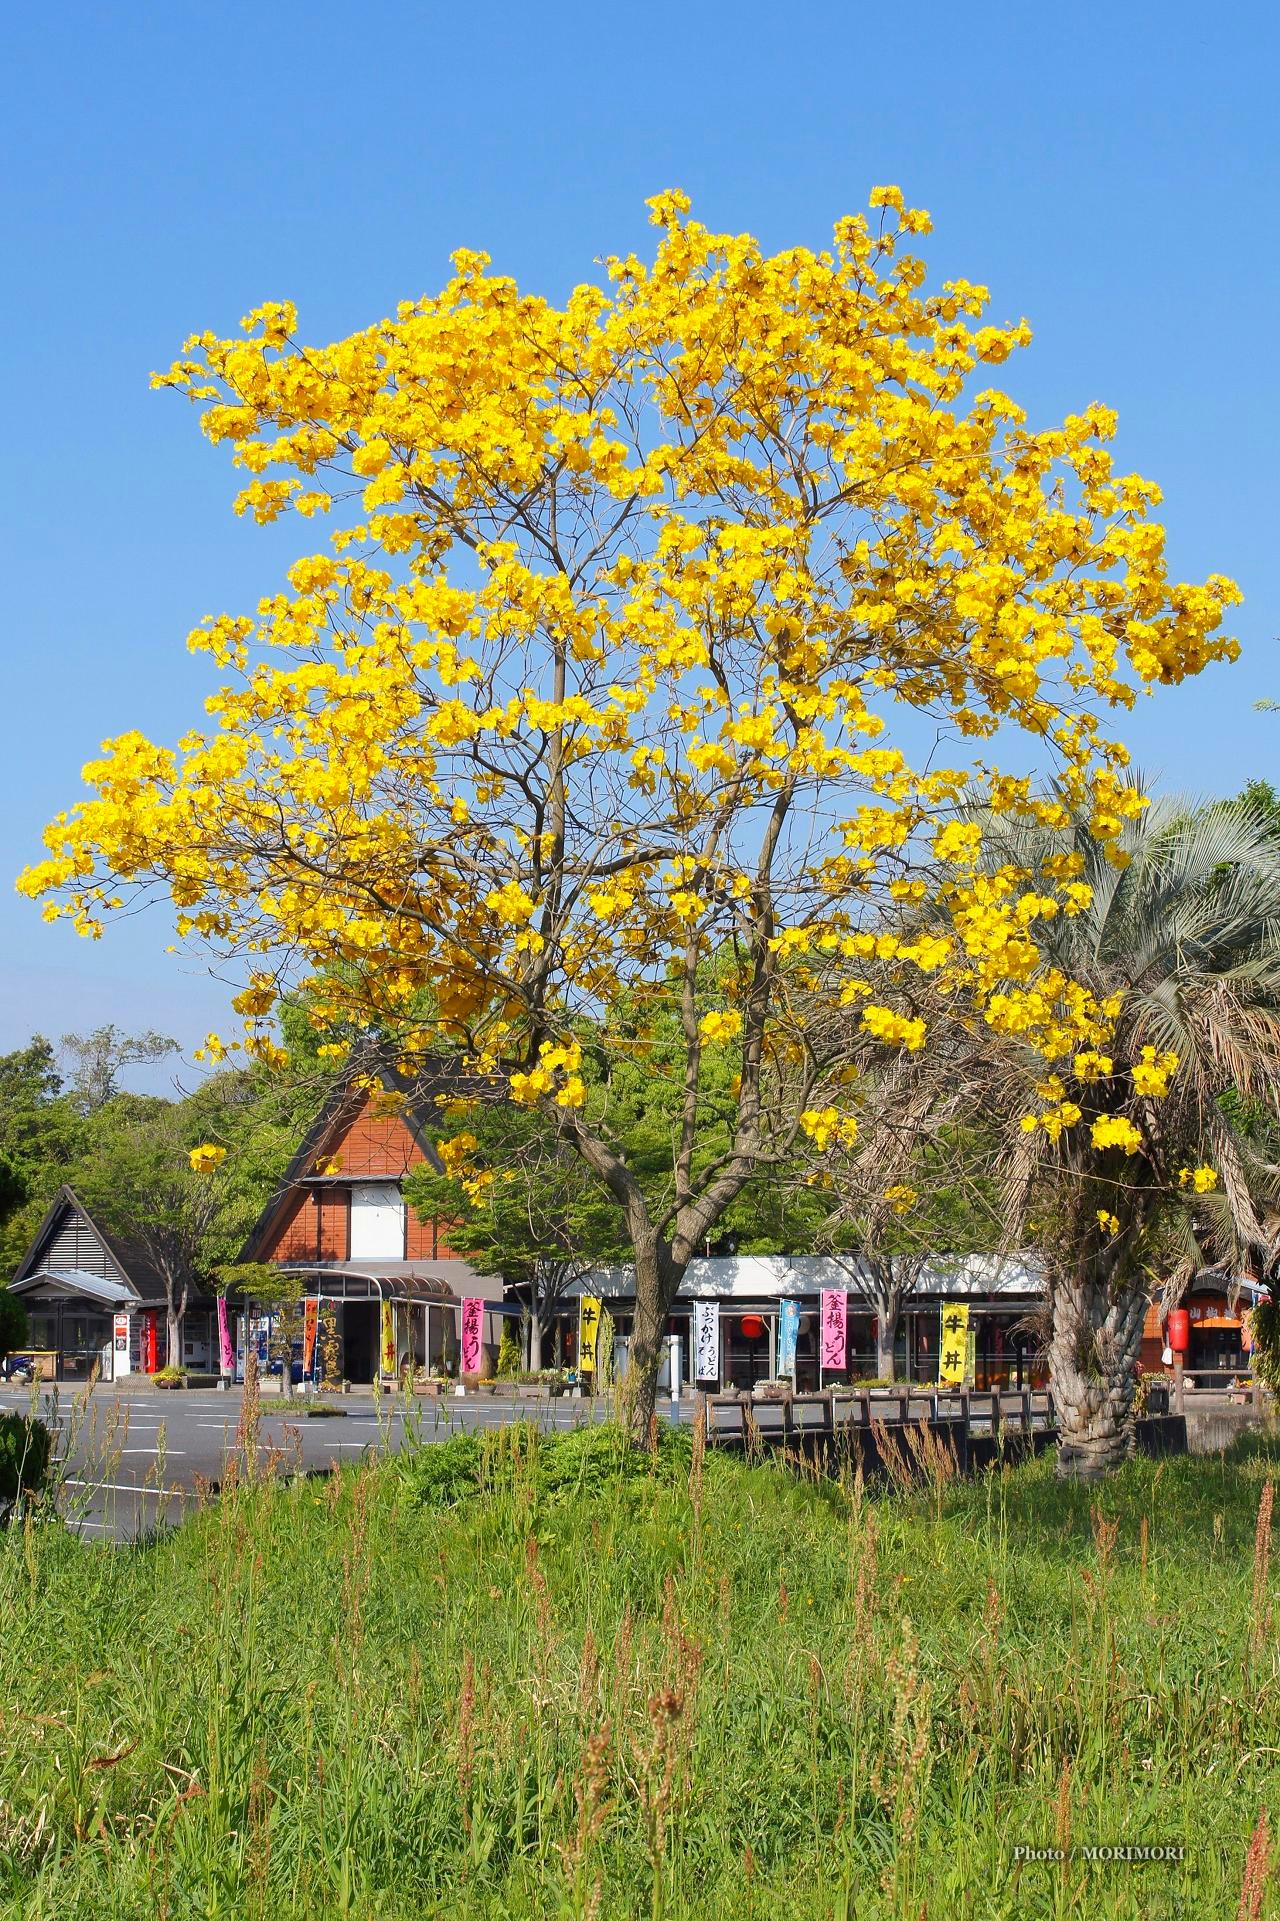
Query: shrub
x,y
508,1363
586,1461
25,1447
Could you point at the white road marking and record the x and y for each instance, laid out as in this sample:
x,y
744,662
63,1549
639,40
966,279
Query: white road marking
x,y
130,1487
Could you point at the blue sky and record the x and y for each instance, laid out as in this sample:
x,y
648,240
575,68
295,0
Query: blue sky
x,y
1110,171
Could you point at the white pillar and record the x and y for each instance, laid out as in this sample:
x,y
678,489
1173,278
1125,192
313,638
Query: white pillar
x,y
673,1364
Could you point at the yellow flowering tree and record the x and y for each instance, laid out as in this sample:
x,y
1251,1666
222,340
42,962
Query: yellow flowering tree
x,y
631,642
1134,1159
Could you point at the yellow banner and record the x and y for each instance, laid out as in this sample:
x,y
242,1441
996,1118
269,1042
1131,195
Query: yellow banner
x,y
388,1339
953,1349
588,1329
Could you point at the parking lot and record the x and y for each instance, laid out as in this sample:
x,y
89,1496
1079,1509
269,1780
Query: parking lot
x,y
138,1458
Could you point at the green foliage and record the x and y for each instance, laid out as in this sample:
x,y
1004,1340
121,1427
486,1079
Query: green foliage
x,y
40,1134
25,1448
260,1281
542,1207
1264,1319
550,1468
13,1322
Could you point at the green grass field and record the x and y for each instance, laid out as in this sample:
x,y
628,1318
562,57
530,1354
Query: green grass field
x,y
607,1688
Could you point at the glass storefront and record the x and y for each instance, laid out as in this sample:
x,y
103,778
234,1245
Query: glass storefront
x,y
78,1334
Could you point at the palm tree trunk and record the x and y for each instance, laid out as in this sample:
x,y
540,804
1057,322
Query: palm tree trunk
x,y
1092,1351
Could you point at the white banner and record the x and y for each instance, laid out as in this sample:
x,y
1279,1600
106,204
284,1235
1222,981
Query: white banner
x,y
706,1341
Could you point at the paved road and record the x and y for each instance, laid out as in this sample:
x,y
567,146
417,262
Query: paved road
x,y
137,1458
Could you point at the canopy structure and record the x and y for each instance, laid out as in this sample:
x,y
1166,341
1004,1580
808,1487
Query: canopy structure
x,y
447,1283
54,1283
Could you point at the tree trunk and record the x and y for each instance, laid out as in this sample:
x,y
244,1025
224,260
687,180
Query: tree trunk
x,y
1092,1351
173,1330
886,1340
657,1279
535,1342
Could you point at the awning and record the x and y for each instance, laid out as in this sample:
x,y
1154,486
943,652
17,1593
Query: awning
x,y
62,1283
444,1282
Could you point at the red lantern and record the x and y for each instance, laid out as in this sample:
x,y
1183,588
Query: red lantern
x,y
1178,1330
752,1327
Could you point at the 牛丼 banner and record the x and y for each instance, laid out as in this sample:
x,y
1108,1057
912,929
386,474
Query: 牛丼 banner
x,y
588,1333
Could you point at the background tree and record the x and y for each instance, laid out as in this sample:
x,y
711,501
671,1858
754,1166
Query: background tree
x,y
136,1179
522,1205
40,1133
98,1059
597,679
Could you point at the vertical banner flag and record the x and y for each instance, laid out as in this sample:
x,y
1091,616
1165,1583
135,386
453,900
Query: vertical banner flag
x,y
706,1341
835,1329
953,1349
226,1352
310,1322
788,1336
388,1338
472,1335
588,1333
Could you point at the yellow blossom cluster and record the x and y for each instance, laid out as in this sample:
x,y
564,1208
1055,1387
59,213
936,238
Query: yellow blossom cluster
x,y
1114,1130
206,1157
1107,1221
894,1030
556,1074
1153,1072
827,1127
1201,1180
720,1026
900,1197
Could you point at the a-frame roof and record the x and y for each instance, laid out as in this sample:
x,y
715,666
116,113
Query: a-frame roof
x,y
125,1268
418,1095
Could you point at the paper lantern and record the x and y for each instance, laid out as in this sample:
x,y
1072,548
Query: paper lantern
x,y
752,1327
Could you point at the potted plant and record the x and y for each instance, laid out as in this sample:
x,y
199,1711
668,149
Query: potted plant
x,y
169,1377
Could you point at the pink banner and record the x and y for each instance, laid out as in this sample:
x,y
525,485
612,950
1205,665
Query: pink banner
x,y
835,1327
226,1353
472,1335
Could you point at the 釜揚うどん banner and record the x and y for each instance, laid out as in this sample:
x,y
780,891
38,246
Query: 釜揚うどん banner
x,y
834,1339
472,1334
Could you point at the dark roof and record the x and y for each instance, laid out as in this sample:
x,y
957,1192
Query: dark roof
x,y
132,1264
443,1076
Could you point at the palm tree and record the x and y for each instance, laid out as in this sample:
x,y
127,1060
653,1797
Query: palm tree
x,y
1186,936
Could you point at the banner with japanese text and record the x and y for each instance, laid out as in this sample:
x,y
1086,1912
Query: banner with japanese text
x,y
953,1346
834,1337
310,1327
388,1338
472,1335
588,1333
788,1337
226,1347
706,1341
